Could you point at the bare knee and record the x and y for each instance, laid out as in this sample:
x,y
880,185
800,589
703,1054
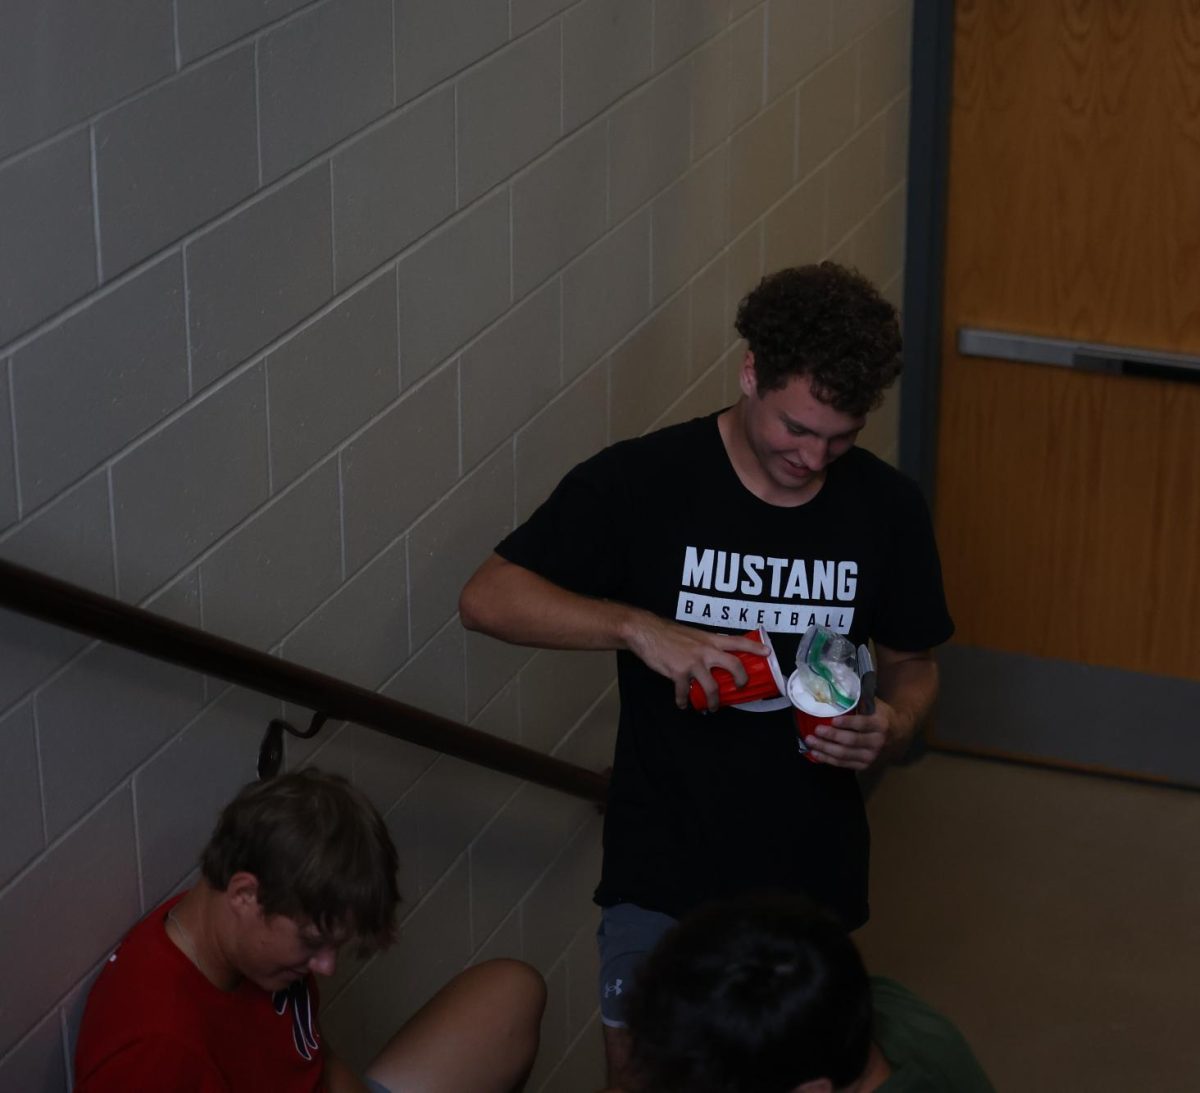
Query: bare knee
x,y
513,982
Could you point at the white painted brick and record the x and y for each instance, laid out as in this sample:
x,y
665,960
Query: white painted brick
x,y
436,38
682,25
852,17
648,141
606,293
205,25
125,706
510,372
20,792
49,941
649,371
884,59
29,652
433,679
690,223
48,258
704,396
205,766
61,61
761,161
181,489
559,207
8,476
453,285
361,634
583,975
710,79
490,665
825,109
529,13
172,159
504,941
801,38
745,265
321,77
516,848
895,138
855,180
275,569
399,466
795,229
509,111
438,817
393,184
584,1066
255,275
37,1064
590,743
557,688
501,717
562,897
71,538
384,767
447,544
87,387
712,324
571,428
879,240
332,378
747,60
606,52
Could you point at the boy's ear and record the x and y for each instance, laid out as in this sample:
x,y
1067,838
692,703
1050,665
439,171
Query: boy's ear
x,y
242,892
747,376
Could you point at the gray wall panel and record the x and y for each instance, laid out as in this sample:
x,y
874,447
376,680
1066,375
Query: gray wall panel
x,y
1074,713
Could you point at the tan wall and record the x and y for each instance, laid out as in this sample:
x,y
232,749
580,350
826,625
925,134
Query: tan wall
x,y
296,319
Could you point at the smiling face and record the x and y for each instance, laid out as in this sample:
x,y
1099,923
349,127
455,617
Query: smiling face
x,y
792,436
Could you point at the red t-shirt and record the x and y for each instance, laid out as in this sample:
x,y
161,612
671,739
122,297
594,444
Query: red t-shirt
x,y
153,1022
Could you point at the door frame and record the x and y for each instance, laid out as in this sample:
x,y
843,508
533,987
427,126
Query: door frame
x,y
930,104
930,99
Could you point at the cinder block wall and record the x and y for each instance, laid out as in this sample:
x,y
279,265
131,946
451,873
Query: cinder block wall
x,y
302,305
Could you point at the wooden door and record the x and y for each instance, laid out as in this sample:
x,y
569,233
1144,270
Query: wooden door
x,y
1068,503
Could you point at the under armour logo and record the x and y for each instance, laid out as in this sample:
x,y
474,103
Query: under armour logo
x,y
613,988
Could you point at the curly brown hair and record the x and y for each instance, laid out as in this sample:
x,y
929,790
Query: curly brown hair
x,y
826,322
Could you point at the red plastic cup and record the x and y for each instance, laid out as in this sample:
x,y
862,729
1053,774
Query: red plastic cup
x,y
808,713
763,678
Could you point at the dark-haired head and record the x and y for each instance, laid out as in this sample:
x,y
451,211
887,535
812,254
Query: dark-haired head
x,y
757,995
318,849
828,323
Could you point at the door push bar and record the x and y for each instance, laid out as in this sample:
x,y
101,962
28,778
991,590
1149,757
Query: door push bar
x,y
1084,356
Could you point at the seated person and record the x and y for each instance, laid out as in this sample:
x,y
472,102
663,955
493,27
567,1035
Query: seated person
x,y
214,989
769,995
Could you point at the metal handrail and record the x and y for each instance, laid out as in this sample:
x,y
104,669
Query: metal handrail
x,y
51,600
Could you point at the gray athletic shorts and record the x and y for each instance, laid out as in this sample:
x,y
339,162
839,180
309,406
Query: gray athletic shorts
x,y
626,935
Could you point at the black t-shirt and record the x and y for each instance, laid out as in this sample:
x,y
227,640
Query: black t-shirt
x,y
708,805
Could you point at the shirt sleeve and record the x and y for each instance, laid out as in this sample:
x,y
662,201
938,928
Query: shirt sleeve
x,y
913,614
577,537
152,1063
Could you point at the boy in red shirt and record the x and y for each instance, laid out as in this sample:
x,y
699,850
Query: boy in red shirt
x,y
214,989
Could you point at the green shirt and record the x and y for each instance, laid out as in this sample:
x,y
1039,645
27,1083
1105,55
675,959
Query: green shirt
x,y
927,1053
